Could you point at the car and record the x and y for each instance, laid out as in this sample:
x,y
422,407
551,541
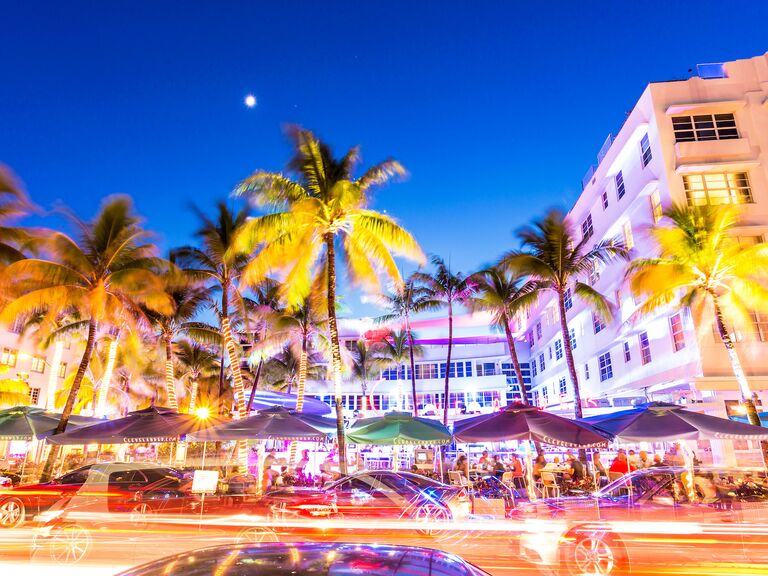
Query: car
x,y
21,503
377,493
315,559
651,516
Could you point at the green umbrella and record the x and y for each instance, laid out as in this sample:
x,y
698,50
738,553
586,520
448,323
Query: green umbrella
x,y
28,422
398,428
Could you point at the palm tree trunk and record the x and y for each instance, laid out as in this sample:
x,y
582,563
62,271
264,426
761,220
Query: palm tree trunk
x,y
577,409
58,350
69,405
170,385
222,356
738,371
237,378
446,401
100,410
299,393
335,352
413,366
515,359
193,397
255,385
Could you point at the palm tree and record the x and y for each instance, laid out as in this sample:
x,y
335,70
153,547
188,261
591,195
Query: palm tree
x,y
285,369
505,295
443,288
14,203
323,210
397,349
13,392
195,363
106,275
221,266
701,265
403,303
189,299
554,261
365,362
265,306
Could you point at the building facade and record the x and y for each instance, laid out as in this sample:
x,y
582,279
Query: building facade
x,y
700,141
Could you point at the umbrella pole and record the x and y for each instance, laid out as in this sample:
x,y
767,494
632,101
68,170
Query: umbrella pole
x,y
24,460
202,463
529,473
439,453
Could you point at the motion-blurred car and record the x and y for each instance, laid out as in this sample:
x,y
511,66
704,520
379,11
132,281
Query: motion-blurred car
x,y
652,516
373,494
315,559
22,503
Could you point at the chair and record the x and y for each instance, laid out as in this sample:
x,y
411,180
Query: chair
x,y
507,478
612,476
549,485
457,478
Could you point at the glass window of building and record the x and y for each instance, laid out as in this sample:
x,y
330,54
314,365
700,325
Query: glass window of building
x,y
534,369
747,241
586,371
538,330
704,127
656,210
715,188
34,396
572,337
568,299
620,188
545,393
597,323
38,364
542,366
627,352
529,337
606,370
645,348
563,387
676,328
604,198
629,239
558,349
645,150
586,227
8,357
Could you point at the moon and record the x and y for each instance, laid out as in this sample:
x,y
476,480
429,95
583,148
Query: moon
x,y
250,101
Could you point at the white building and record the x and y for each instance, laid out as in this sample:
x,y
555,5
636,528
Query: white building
x,y
702,141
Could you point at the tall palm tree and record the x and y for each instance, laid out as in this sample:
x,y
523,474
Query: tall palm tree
x,y
189,299
555,261
505,295
403,303
265,306
285,369
14,204
13,392
195,363
445,289
106,274
324,209
701,265
397,349
365,362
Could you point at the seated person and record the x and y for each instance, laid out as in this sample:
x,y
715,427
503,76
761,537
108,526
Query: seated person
x,y
498,468
575,469
553,466
621,465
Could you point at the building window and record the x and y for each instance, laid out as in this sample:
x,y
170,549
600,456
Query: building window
x,y
604,197
538,330
486,368
550,352
529,338
645,348
606,370
676,327
656,209
535,397
714,188
567,299
629,239
572,337
34,396
586,227
747,241
645,150
423,372
627,353
563,387
586,371
597,323
38,364
620,188
558,349
8,357
594,273
63,370
704,127
545,393
542,366
534,369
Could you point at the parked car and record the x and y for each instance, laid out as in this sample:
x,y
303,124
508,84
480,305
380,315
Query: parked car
x,y
124,480
373,494
315,559
652,516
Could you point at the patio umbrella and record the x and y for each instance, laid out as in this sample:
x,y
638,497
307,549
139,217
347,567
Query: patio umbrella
x,y
268,398
662,422
27,423
152,424
398,428
520,422
273,423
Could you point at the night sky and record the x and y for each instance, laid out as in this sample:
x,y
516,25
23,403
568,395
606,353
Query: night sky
x,y
496,108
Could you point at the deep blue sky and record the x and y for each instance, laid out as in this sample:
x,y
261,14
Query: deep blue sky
x,y
496,108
